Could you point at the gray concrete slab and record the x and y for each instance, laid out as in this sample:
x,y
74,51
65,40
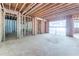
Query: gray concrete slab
x,y
40,45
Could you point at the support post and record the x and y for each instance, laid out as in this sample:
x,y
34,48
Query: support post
x,y
3,26
1,23
19,26
69,26
42,26
46,27
24,26
35,26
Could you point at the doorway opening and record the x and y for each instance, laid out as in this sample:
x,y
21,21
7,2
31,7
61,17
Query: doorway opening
x,y
10,26
27,26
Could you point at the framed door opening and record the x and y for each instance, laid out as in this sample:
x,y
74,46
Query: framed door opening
x,y
10,26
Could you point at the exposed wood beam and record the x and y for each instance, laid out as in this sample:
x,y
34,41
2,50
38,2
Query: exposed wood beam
x,y
39,8
55,10
59,11
34,8
46,8
3,5
50,9
65,13
11,11
16,6
9,6
22,7
29,7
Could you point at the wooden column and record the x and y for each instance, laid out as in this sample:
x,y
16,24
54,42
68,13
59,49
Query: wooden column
x,y
69,26
1,23
19,35
3,26
46,27
42,26
34,26
24,26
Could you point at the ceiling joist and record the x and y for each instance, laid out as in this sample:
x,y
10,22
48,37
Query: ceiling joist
x,y
50,9
39,8
61,10
34,8
22,7
56,9
3,5
9,6
65,13
45,8
29,7
16,6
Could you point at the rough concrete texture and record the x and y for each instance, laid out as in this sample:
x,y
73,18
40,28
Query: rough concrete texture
x,y
40,45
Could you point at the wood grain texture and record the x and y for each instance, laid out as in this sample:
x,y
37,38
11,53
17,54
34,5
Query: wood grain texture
x,y
43,10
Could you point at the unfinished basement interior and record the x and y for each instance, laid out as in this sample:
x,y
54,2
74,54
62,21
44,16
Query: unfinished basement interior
x,y
39,29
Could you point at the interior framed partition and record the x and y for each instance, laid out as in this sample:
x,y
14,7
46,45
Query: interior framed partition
x,y
9,24
16,25
13,23
27,26
40,26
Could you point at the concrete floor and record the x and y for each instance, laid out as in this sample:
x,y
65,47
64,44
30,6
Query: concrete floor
x,y
40,45
76,35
